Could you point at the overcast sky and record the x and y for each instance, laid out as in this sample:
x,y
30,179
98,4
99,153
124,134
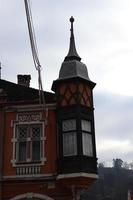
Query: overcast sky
x,y
104,40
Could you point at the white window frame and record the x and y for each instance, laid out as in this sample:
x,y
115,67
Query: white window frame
x,y
28,162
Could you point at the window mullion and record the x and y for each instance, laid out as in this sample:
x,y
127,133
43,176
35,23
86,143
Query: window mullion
x,y
30,142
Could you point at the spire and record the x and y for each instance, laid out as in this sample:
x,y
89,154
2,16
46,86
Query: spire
x,y
72,54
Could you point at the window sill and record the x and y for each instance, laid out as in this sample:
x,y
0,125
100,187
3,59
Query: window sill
x,y
28,163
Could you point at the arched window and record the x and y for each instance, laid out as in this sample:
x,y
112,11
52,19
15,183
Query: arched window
x,y
31,196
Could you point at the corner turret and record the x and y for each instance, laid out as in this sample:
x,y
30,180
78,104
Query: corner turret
x,y
77,162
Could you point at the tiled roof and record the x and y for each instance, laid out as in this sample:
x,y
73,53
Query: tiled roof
x,y
19,93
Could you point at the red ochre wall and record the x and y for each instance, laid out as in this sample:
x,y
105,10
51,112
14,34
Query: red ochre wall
x,y
12,187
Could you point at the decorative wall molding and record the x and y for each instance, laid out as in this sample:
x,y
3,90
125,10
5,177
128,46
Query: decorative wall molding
x,y
31,107
44,176
29,117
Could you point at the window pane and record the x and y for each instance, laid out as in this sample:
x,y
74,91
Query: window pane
x,y
36,132
86,125
22,132
87,144
36,150
69,144
69,125
22,151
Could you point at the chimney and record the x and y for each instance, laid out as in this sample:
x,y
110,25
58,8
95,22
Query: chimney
x,y
24,80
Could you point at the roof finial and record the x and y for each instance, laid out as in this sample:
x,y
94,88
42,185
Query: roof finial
x,y
72,20
72,54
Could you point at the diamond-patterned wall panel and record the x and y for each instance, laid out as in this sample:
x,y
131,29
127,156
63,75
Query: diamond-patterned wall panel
x,y
70,94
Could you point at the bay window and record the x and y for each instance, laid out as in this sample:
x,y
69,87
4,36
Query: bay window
x,y
71,134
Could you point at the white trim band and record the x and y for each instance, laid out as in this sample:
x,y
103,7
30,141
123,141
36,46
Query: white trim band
x,y
76,175
30,176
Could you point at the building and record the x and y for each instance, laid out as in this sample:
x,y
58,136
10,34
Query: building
x,y
48,151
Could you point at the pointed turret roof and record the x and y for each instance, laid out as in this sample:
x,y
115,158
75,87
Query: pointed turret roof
x,y
72,68
72,53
